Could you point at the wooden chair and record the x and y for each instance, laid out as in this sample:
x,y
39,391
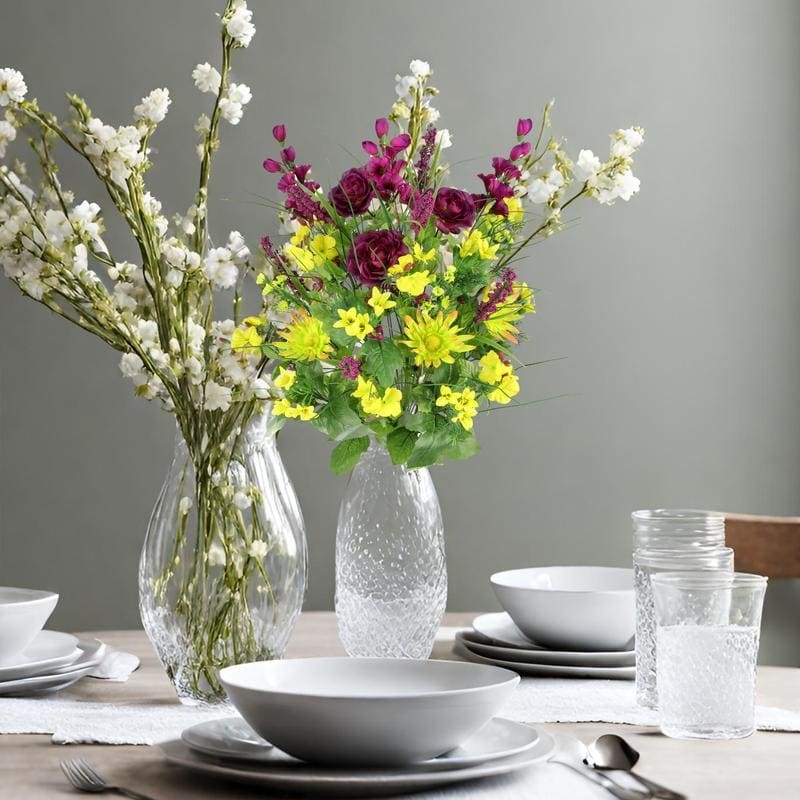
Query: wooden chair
x,y
764,545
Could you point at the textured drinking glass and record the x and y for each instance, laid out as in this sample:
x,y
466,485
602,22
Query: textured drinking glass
x,y
676,529
647,563
391,577
223,568
708,630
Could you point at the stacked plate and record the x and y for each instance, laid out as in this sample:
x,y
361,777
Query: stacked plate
x,y
361,727
51,662
495,639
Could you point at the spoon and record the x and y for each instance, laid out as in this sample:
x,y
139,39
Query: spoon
x,y
613,752
572,754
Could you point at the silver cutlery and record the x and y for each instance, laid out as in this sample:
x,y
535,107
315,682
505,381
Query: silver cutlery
x,y
613,752
572,754
84,777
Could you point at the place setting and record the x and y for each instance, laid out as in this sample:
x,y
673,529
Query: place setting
x,y
35,661
559,622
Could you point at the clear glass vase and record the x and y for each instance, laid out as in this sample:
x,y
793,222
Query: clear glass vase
x,y
223,568
391,576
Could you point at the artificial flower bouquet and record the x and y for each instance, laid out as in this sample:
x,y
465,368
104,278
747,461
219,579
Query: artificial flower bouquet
x,y
399,294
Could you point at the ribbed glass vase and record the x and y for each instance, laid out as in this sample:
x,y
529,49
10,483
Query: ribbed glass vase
x,y
391,576
223,568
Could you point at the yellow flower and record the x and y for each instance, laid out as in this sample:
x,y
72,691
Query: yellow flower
x,y
246,340
515,212
282,407
302,258
446,395
324,248
434,340
386,405
285,378
477,244
493,368
304,339
508,388
414,283
300,235
380,302
354,323
450,274
364,389
304,412
423,256
403,264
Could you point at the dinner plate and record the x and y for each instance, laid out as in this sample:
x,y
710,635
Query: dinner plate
x,y
308,779
48,650
91,654
462,648
501,630
232,738
478,643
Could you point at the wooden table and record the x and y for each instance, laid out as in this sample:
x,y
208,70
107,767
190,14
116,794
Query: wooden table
x,y
767,765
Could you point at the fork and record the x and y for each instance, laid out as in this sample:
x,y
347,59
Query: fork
x,y
84,777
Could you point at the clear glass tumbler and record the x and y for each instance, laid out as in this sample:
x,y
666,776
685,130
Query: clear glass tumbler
x,y
707,634
647,563
676,529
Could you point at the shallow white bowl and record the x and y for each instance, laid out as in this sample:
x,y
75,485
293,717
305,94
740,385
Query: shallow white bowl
x,y
366,711
570,608
23,613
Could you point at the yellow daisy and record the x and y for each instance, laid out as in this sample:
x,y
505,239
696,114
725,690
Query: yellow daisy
x,y
304,339
434,340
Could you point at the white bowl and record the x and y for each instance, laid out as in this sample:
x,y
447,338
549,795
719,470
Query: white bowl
x,y
570,608
366,711
23,613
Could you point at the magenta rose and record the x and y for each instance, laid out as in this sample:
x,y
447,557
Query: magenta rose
x,y
353,193
454,210
372,253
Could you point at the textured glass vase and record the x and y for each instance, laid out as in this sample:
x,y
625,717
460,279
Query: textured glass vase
x,y
223,569
391,576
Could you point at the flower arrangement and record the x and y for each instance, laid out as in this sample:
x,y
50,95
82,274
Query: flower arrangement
x,y
162,315
399,293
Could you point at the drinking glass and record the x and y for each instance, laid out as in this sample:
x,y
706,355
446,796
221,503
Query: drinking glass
x,y
677,528
647,563
707,632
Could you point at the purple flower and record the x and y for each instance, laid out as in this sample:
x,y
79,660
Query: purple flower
x,y
372,253
524,127
271,165
386,176
454,210
381,127
353,193
370,148
350,367
279,132
421,209
288,154
519,150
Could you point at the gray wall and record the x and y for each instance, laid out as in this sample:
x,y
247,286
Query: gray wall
x,y
677,313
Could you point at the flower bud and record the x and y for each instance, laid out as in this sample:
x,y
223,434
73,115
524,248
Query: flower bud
x,y
288,154
279,132
381,127
524,127
271,165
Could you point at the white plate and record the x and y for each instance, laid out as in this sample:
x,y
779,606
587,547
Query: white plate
x,y
483,646
547,670
500,628
48,650
233,738
330,782
91,654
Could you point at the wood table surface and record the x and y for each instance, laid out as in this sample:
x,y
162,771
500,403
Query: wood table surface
x,y
762,767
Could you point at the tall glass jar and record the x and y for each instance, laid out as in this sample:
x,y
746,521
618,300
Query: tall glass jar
x,y
223,568
675,529
647,563
391,576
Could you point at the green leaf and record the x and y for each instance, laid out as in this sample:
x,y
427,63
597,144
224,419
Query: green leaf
x,y
383,359
347,453
429,449
463,449
337,420
400,444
